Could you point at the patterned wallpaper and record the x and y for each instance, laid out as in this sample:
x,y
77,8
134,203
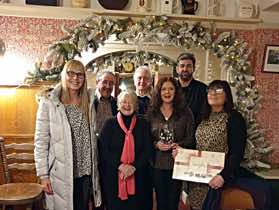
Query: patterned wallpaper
x,y
268,85
29,37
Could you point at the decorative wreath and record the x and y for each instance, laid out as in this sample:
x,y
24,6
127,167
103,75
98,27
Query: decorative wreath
x,y
92,32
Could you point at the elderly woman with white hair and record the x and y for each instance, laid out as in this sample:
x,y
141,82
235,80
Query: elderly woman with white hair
x,y
143,84
125,150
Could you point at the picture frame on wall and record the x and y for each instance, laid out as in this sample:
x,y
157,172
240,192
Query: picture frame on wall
x,y
271,59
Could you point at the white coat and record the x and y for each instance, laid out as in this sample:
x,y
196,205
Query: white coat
x,y
53,151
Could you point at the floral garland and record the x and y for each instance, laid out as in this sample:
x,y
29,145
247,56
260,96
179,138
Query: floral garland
x,y
120,58
92,32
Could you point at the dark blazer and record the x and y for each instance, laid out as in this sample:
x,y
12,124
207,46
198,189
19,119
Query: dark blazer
x,y
237,134
183,128
112,142
113,102
195,96
143,104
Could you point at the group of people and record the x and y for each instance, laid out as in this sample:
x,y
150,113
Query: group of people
x,y
89,144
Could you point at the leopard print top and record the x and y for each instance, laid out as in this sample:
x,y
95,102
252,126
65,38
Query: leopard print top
x,y
211,135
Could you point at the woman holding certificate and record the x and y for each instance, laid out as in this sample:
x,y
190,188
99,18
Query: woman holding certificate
x,y
222,129
172,125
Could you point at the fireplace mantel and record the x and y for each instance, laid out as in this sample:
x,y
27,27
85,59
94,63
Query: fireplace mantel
x,y
9,9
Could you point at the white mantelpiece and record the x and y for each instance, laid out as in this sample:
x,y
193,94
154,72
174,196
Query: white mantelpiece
x,y
80,13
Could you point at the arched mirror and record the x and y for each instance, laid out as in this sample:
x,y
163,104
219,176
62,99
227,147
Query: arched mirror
x,y
124,58
219,56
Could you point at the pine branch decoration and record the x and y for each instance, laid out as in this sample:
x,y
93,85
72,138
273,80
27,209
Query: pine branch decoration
x,y
93,31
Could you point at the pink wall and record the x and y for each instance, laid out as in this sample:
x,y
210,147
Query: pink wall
x,y
268,85
29,37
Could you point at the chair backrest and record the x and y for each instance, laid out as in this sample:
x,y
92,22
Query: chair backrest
x,y
16,156
234,198
4,168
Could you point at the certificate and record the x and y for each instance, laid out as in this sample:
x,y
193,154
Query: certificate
x,y
197,166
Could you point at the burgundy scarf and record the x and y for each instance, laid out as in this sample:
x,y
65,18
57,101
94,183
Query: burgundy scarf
x,y
127,187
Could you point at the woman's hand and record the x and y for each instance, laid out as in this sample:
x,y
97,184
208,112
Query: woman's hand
x,y
126,170
216,182
162,146
45,182
130,171
175,148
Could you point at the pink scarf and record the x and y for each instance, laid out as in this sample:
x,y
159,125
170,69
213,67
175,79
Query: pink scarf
x,y
127,186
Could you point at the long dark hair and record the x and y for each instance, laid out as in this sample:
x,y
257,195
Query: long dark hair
x,y
228,105
156,100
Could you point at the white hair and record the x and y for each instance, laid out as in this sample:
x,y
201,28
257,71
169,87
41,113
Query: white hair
x,y
128,93
143,68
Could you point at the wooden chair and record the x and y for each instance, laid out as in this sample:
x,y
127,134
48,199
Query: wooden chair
x,y
13,194
236,199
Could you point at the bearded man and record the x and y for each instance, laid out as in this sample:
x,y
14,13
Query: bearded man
x,y
194,90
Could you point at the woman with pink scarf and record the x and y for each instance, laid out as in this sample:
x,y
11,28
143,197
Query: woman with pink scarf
x,y
126,150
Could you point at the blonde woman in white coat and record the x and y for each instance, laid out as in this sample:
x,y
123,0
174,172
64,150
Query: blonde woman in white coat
x,y
65,144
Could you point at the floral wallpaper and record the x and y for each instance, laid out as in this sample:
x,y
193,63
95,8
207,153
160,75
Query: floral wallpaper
x,y
268,85
30,37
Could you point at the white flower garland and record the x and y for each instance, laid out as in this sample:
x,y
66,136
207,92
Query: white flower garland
x,y
94,30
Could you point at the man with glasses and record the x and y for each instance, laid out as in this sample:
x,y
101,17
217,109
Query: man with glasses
x,y
194,91
105,103
106,107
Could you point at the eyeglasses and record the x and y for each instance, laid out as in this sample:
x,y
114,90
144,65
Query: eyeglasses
x,y
107,83
218,91
126,103
72,74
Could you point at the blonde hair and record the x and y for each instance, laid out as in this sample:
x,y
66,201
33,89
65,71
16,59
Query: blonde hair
x,y
83,91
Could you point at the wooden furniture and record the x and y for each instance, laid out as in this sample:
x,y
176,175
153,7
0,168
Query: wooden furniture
x,y
271,176
234,198
16,156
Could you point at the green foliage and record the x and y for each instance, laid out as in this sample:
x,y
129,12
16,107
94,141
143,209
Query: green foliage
x,y
92,32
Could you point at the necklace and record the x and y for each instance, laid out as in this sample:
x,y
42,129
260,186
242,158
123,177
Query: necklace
x,y
166,113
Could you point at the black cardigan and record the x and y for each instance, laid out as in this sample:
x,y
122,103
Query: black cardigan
x,y
237,134
113,103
